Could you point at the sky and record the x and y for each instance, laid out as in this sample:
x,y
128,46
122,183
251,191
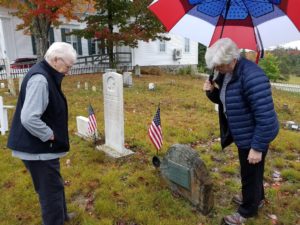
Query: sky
x,y
294,44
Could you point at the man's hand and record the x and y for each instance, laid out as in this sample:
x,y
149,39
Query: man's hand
x,y
51,138
208,86
254,156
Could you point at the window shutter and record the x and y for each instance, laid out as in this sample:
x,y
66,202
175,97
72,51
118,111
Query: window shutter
x,y
51,35
33,45
79,44
90,46
63,34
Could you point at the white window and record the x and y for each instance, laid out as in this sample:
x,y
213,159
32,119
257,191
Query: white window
x,y
97,47
186,45
162,46
72,39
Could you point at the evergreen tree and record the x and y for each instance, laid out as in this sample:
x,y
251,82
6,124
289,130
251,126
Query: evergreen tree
x,y
201,57
270,65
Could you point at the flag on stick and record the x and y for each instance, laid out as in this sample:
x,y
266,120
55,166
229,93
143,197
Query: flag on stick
x,y
155,132
92,124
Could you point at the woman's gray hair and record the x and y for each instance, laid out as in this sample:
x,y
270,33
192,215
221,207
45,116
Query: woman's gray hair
x,y
223,51
61,50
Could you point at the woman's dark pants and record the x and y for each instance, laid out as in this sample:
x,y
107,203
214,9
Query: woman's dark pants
x,y
252,184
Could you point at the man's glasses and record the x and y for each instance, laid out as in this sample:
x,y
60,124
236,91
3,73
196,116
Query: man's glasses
x,y
68,66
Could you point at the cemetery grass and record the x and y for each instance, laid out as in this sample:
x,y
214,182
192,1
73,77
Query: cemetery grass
x,y
294,79
130,191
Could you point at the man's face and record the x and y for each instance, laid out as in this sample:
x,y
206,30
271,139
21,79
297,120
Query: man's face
x,y
63,65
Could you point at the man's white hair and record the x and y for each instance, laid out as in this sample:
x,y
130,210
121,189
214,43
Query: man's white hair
x,y
223,51
61,50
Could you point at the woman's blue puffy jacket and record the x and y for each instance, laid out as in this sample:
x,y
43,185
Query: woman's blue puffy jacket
x,y
251,119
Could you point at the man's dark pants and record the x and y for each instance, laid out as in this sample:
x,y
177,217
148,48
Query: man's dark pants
x,y
49,185
252,184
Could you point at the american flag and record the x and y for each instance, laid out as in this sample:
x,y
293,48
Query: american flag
x,y
155,132
92,124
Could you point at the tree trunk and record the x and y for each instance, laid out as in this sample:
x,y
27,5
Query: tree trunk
x,y
40,31
41,46
110,44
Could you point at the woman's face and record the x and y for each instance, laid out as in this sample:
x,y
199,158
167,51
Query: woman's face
x,y
226,68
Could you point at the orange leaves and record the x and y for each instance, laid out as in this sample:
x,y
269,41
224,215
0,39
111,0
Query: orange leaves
x,y
48,10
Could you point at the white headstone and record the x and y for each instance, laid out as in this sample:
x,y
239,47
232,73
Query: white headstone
x,y
114,116
127,79
216,107
2,122
86,85
3,116
137,70
2,85
94,88
78,84
82,126
151,86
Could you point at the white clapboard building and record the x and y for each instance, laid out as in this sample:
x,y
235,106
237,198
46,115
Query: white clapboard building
x,y
178,51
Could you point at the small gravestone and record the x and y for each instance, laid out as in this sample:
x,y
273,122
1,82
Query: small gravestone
x,y
82,127
188,176
4,116
2,85
78,84
127,79
151,86
216,107
94,88
86,85
114,116
137,70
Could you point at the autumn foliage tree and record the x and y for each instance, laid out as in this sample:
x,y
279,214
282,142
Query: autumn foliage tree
x,y
39,15
122,22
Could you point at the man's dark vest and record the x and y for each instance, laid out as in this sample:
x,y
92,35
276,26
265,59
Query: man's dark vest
x,y
55,116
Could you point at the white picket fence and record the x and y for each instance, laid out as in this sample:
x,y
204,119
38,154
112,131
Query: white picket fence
x,y
287,87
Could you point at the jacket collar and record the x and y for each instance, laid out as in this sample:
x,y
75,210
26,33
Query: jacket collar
x,y
55,75
238,66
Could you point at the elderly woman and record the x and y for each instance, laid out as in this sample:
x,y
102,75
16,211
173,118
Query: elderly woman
x,y
39,131
247,118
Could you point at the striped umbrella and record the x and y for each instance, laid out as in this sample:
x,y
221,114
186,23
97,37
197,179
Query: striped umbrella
x,y
252,24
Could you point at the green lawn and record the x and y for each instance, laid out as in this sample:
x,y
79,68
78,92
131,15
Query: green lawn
x,y
294,80
130,191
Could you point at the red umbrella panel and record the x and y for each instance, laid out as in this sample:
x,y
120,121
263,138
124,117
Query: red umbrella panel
x,y
252,24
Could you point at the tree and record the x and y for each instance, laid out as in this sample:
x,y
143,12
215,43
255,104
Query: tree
x,y
270,65
39,15
201,57
122,22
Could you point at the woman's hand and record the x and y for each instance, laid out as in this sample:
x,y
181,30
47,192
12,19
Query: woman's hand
x,y
208,86
254,156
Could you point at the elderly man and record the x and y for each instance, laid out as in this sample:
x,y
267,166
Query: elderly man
x,y
247,118
39,131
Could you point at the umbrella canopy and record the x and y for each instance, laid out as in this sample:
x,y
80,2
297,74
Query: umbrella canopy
x,y
252,24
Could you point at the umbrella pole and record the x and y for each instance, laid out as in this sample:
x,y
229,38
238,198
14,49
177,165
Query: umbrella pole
x,y
226,13
211,76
